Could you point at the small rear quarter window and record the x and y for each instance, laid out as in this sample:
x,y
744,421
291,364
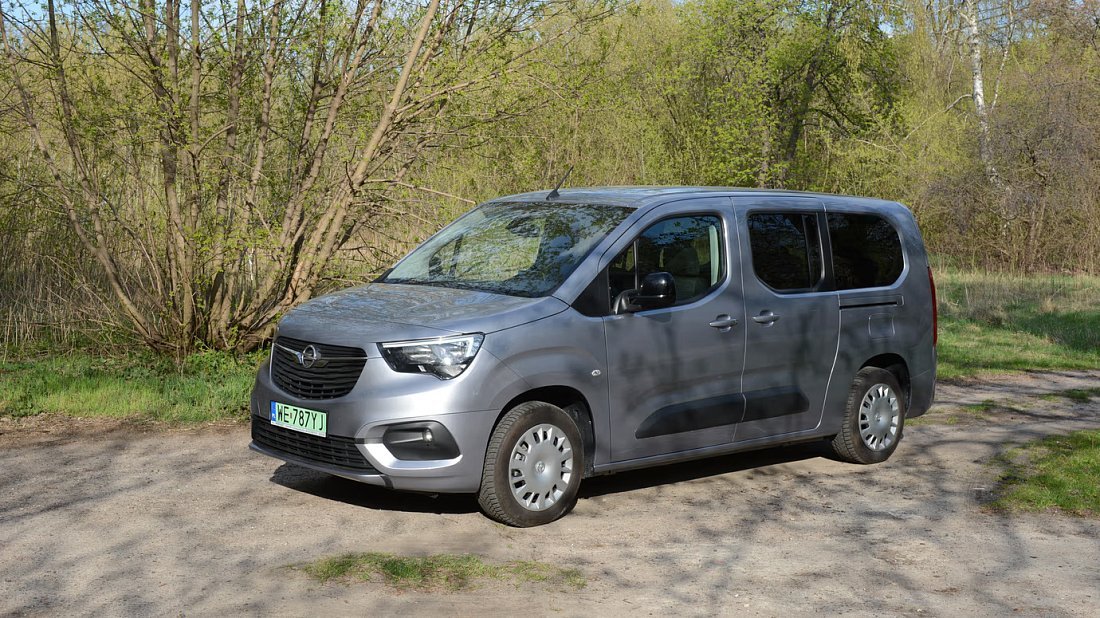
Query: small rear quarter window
x,y
866,251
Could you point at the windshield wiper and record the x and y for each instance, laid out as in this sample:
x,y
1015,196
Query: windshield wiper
x,y
480,286
439,283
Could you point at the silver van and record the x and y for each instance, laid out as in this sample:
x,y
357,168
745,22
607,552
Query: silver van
x,y
547,337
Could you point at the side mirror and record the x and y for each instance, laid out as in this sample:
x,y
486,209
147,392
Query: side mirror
x,y
657,290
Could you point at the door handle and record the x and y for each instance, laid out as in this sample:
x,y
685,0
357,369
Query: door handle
x,y
723,323
766,318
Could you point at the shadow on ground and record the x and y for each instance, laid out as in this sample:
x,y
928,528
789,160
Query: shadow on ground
x,y
353,493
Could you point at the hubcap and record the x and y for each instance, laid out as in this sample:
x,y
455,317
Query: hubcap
x,y
879,417
540,467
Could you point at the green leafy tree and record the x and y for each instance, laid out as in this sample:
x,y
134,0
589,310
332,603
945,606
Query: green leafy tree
x,y
214,158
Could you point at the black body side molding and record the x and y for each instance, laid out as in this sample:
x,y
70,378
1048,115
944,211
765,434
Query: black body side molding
x,y
723,410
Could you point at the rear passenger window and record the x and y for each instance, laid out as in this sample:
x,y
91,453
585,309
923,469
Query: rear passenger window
x,y
866,251
786,250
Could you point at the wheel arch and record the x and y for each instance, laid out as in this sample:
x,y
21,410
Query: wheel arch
x,y
897,366
574,403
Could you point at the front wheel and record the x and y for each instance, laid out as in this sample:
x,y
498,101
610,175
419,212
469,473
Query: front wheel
x,y
873,418
533,466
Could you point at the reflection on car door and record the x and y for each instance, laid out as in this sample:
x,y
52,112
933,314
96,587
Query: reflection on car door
x,y
674,374
792,319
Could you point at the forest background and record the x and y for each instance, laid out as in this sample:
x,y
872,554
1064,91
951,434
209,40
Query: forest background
x,y
177,175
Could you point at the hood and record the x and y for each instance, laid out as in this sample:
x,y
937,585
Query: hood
x,y
379,312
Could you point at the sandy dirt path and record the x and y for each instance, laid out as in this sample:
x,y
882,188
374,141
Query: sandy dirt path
x,y
102,520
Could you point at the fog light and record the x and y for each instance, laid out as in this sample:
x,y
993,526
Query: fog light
x,y
420,441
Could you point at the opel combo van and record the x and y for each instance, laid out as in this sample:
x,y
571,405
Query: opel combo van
x,y
547,337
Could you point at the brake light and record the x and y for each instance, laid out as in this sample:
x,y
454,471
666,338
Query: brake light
x,y
935,309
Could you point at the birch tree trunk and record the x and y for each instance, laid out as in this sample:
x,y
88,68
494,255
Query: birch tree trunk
x,y
968,13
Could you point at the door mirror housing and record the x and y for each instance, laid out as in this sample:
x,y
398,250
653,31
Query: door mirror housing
x,y
658,290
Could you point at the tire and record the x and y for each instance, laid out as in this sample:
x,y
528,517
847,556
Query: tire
x,y
873,419
533,466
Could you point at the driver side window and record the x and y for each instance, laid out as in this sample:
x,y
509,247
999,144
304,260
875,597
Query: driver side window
x,y
689,248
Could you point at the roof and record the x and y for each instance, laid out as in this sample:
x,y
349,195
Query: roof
x,y
638,196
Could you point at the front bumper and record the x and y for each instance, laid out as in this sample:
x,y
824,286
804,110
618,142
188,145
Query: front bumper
x,y
371,478
354,449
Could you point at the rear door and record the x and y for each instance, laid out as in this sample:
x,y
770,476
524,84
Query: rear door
x,y
674,374
791,315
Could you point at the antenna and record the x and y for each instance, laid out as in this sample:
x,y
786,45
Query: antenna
x,y
553,194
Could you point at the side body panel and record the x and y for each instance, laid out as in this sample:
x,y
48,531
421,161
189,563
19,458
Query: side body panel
x,y
886,321
673,379
566,349
788,361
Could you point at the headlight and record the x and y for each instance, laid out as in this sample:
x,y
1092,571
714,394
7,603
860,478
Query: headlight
x,y
444,358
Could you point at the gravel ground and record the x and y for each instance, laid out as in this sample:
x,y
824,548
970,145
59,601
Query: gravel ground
x,y
101,518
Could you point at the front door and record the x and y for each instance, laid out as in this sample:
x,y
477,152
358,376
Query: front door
x,y
792,320
674,374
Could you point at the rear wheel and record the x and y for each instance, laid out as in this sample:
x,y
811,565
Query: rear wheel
x,y
874,418
533,466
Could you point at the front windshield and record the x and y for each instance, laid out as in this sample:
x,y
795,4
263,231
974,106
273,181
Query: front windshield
x,y
519,249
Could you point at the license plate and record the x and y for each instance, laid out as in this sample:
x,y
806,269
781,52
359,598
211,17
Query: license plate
x,y
304,420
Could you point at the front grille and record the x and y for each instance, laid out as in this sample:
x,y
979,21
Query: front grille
x,y
331,450
334,375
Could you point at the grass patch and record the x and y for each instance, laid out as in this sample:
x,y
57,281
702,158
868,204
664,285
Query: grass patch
x,y
205,387
980,408
440,571
964,414
988,323
1059,472
1080,395
991,322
